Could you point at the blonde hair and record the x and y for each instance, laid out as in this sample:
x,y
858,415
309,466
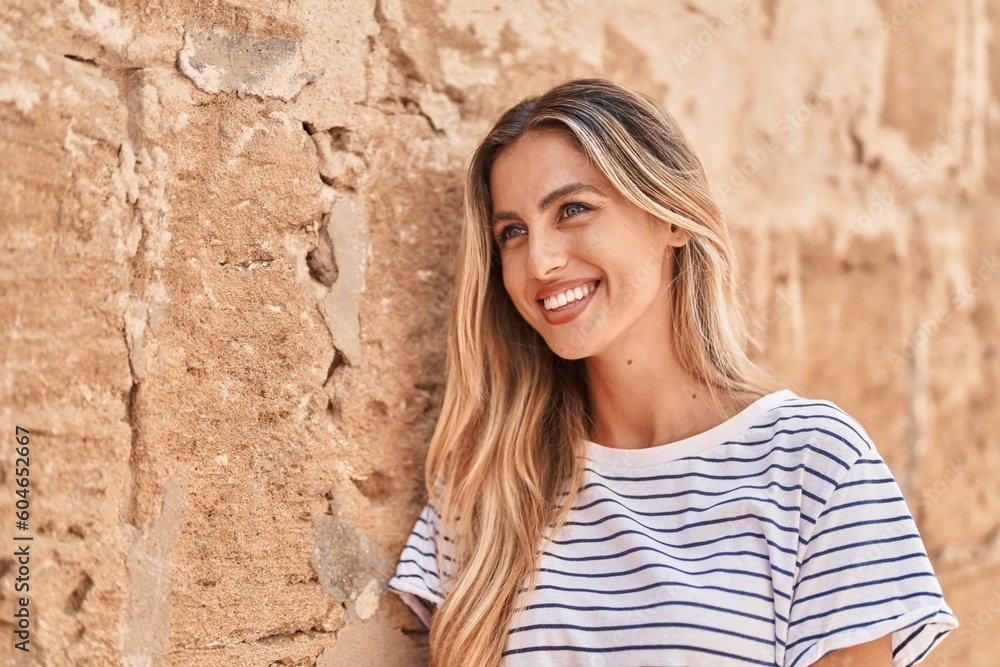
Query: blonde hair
x,y
505,447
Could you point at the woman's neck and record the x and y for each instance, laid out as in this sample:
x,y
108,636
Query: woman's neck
x,y
648,400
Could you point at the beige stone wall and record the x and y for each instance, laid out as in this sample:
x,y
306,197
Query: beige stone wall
x,y
225,268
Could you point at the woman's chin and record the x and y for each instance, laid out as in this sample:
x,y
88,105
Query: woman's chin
x,y
568,351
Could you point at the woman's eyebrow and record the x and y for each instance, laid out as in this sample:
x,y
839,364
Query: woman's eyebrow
x,y
549,199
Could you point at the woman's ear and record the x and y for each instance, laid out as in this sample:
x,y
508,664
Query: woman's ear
x,y
676,236
673,234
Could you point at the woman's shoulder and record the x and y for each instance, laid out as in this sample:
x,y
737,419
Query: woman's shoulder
x,y
824,432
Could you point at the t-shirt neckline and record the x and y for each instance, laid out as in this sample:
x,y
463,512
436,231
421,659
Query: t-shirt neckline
x,y
649,456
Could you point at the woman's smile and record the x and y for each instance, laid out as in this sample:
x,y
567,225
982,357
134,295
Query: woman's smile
x,y
568,304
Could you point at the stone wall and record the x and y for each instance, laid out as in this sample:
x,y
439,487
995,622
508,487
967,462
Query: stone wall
x,y
226,264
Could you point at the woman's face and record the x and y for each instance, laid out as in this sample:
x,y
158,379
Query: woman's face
x,y
560,224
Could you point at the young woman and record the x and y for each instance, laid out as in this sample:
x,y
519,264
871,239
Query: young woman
x,y
611,480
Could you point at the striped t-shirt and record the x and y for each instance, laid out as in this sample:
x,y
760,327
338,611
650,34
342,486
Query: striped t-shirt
x,y
774,538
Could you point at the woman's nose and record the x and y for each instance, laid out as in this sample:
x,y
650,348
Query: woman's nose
x,y
546,253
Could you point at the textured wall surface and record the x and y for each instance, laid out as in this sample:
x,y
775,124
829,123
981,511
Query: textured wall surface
x,y
225,268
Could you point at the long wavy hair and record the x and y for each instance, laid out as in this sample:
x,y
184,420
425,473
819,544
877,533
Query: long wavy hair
x,y
506,447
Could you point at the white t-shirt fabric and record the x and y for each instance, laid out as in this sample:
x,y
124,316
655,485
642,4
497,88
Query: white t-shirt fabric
x,y
774,538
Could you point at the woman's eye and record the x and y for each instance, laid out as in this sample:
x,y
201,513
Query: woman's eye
x,y
573,209
503,236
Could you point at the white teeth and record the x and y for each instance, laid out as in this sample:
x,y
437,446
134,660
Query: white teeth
x,y
573,294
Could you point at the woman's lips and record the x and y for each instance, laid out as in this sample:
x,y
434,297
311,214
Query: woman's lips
x,y
570,311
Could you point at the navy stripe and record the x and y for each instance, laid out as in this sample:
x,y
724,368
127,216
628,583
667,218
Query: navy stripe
x,y
771,501
700,492
409,576
689,545
650,566
860,605
656,551
689,475
417,565
417,576
769,452
874,582
866,563
854,545
639,626
930,645
428,554
836,436
842,629
909,638
860,482
667,603
845,526
818,416
641,647
693,524
819,404
648,587
868,501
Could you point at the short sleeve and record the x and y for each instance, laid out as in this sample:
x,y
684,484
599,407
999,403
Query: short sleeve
x,y
416,579
863,572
